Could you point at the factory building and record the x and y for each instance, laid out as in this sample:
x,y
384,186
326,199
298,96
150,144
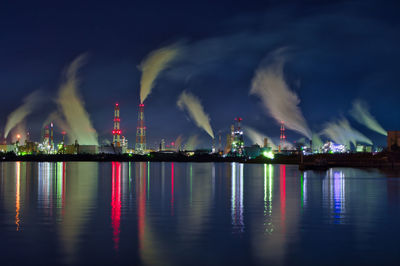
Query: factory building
x,y
87,149
30,147
393,140
162,145
6,148
363,148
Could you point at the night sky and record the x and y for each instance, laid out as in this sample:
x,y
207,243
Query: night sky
x,y
337,51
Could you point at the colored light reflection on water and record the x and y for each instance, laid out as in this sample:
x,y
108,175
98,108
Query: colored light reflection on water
x,y
116,202
196,214
17,194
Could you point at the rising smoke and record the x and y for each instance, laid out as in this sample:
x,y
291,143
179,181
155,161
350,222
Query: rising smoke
x,y
152,65
72,107
178,143
19,130
362,115
56,118
342,133
196,111
22,112
257,137
316,141
192,143
279,101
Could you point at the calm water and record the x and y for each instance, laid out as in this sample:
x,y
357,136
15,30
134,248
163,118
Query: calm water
x,y
196,213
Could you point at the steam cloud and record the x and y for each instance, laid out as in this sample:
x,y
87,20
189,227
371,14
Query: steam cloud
x,y
316,141
192,143
57,119
22,112
279,101
342,133
178,143
72,107
19,129
362,115
196,111
258,138
152,65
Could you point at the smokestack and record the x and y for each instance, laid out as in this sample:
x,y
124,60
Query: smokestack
x,y
51,136
282,137
265,142
140,146
46,135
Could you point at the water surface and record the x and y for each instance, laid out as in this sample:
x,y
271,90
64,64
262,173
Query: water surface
x,y
196,214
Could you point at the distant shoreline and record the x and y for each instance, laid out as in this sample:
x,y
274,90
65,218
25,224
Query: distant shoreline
x,y
309,162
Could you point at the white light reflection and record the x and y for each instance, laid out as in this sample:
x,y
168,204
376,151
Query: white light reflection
x,y
237,197
334,192
268,193
45,170
304,189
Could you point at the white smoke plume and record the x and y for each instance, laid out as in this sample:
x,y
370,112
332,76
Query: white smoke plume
x,y
178,143
288,146
19,130
362,115
278,100
342,133
22,112
316,141
258,138
72,107
196,111
192,143
152,65
56,118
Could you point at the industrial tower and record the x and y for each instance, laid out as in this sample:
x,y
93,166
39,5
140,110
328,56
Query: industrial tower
x,y
51,136
238,142
116,131
282,137
140,146
46,136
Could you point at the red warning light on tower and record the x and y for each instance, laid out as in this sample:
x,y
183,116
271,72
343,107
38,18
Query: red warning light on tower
x,y
116,131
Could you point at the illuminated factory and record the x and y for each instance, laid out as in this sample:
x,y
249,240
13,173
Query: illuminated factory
x,y
237,144
234,143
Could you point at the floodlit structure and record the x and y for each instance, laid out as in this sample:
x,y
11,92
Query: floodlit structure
x,y
116,131
162,145
140,146
363,148
47,144
237,148
331,147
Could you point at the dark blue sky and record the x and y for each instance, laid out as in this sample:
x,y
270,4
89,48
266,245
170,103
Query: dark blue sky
x,y
337,51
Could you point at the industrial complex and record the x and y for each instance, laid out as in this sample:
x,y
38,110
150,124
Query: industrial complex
x,y
234,148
